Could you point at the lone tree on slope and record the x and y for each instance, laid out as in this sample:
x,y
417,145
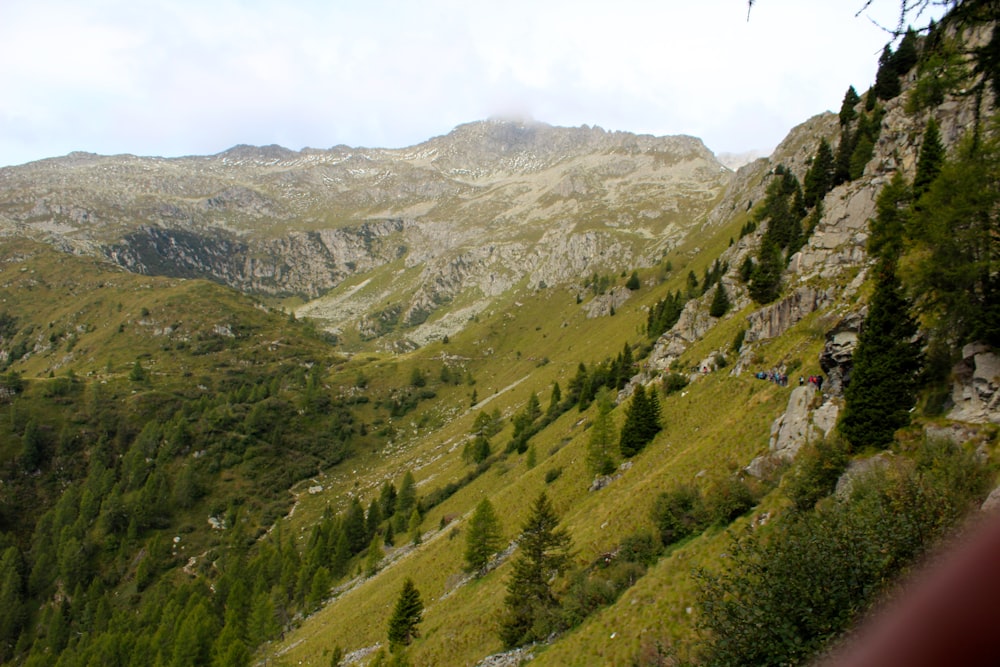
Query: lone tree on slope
x,y
406,616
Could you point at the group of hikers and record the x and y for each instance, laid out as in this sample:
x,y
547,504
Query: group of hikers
x,y
814,380
781,379
774,376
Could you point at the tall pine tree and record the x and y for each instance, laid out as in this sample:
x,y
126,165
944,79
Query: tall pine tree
x,y
642,422
930,159
887,364
531,608
406,615
483,538
819,178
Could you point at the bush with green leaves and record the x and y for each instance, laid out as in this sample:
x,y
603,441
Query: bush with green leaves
x,y
679,513
727,498
788,589
674,382
818,466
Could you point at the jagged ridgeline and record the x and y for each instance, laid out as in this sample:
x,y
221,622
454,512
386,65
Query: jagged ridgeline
x,y
519,391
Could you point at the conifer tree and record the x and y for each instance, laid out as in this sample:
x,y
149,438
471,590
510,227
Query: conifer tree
x,y
930,158
319,589
406,500
887,84
819,178
554,401
720,302
864,148
642,422
374,557
387,499
765,279
842,160
887,363
531,608
957,227
341,555
413,526
892,212
373,519
847,112
906,55
406,615
600,444
354,526
483,538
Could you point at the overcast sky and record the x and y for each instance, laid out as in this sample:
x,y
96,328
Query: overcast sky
x,y
195,77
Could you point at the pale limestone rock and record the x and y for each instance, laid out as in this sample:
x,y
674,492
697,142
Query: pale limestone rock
x,y
992,502
857,470
775,319
604,304
837,356
976,386
794,428
825,417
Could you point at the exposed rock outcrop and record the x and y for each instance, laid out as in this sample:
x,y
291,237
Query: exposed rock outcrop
x,y
802,422
975,394
837,356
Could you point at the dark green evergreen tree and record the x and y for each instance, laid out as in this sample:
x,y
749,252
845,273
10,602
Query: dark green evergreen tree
x,y
555,401
406,500
531,608
864,148
354,526
373,519
642,422
930,159
633,282
819,178
842,160
887,84
886,367
406,616
906,55
483,537
847,112
720,302
138,373
32,452
387,499
765,279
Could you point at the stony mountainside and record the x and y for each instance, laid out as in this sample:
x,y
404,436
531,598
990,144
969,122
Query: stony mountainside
x,y
464,216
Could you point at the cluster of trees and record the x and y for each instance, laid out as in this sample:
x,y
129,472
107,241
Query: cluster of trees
x,y
99,478
665,312
945,223
784,209
611,373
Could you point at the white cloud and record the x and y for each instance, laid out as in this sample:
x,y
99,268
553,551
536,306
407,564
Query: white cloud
x,y
175,77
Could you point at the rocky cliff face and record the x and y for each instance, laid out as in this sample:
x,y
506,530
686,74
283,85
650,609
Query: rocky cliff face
x,y
472,213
